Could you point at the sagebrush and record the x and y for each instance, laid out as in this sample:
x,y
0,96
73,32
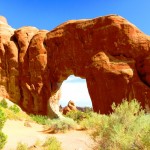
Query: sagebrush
x,y
128,127
51,143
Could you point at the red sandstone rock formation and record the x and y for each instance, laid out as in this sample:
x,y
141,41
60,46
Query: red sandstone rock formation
x,y
109,52
70,107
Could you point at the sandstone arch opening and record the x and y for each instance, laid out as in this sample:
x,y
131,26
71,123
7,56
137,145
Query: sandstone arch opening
x,y
75,89
109,52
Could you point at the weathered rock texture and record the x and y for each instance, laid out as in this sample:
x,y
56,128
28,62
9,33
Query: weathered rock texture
x,y
70,107
109,52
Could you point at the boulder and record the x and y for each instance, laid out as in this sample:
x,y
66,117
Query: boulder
x,y
70,107
111,53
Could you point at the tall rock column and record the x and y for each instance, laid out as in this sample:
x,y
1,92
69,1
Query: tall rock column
x,y
9,71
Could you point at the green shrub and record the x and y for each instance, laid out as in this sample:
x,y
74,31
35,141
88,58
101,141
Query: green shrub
x,y
62,125
2,119
22,146
52,144
55,125
44,120
38,143
3,139
92,122
3,103
78,115
128,127
15,108
16,116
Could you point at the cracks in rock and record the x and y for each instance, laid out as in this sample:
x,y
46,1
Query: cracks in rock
x,y
141,73
6,66
14,38
44,44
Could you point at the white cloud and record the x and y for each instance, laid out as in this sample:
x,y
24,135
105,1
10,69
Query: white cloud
x,y
75,89
74,79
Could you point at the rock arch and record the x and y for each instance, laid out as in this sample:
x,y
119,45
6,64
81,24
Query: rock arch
x,y
109,52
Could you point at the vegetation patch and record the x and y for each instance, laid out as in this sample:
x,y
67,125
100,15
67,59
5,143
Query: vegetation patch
x,y
22,146
13,112
3,103
86,120
55,125
43,120
3,137
51,143
128,127
61,125
78,115
14,108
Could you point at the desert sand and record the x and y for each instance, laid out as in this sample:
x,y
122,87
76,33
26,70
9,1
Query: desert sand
x,y
18,132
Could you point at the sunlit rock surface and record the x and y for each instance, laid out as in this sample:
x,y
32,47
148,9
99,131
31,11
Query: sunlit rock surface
x,y
112,55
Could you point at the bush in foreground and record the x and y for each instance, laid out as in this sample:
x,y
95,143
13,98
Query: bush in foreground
x,y
22,146
62,125
128,127
51,143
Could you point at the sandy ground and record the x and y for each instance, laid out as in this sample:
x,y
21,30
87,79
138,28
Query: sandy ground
x,y
17,132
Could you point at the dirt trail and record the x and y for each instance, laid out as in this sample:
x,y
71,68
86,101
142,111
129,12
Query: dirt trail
x,y
17,132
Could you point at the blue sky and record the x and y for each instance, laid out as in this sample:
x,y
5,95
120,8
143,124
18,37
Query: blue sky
x,y
75,89
47,14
